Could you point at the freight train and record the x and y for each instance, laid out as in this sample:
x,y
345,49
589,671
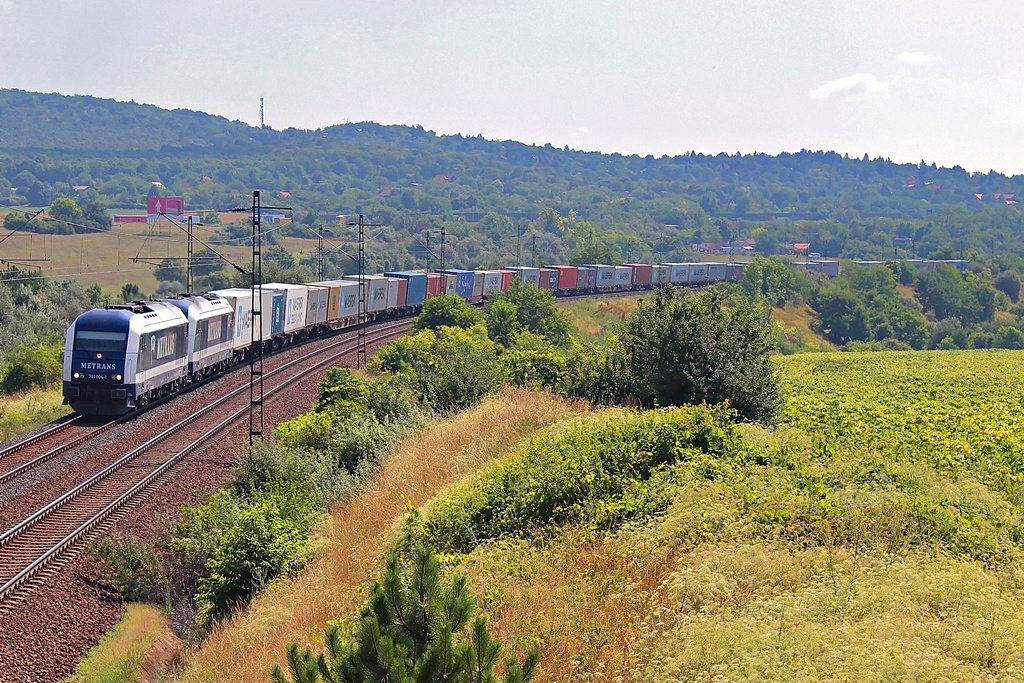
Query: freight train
x,y
124,356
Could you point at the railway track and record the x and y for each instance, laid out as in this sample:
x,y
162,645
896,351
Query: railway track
x,y
36,546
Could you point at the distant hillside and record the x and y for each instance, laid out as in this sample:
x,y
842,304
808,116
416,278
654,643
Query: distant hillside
x,y
411,179
36,121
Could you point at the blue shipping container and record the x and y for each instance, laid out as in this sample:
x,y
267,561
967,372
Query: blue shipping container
x,y
417,285
463,282
277,313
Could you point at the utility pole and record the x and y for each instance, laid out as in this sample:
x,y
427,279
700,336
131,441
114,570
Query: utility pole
x,y
361,328
442,246
320,252
256,331
189,281
426,257
534,250
519,246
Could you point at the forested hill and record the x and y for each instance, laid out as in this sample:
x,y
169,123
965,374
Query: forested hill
x,y
403,176
37,121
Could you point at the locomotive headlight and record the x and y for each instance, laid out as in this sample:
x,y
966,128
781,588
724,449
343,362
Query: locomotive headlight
x,y
117,377
75,375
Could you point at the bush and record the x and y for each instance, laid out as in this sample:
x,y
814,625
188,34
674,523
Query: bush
x,y
449,369
32,366
596,472
693,349
446,311
260,546
410,630
361,438
131,566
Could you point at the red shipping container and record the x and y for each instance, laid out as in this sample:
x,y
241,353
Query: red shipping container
x,y
403,292
641,273
546,281
567,276
434,284
506,279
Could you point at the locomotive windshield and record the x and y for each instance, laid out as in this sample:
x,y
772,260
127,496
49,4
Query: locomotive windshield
x,y
89,340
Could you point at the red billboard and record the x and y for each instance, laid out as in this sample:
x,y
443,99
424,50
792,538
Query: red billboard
x,y
172,206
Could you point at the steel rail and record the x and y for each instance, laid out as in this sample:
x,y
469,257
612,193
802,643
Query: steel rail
x,y
33,567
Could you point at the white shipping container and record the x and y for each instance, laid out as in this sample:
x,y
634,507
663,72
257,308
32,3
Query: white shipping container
x,y
376,292
528,275
316,306
393,292
717,272
661,275
698,273
492,281
349,299
451,283
478,283
605,275
679,273
333,300
294,304
623,277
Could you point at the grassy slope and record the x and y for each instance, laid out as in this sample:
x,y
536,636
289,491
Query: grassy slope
x,y
119,655
796,325
877,540
245,647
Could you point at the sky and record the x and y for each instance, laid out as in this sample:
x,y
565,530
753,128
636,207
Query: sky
x,y
911,80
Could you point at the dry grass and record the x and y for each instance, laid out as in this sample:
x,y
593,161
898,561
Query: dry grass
x,y
245,647
796,323
120,653
642,607
106,258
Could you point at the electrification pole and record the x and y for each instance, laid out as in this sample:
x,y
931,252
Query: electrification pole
x,y
189,283
256,331
361,329
320,252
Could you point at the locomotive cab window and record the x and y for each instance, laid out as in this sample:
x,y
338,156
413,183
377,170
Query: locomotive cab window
x,y
103,342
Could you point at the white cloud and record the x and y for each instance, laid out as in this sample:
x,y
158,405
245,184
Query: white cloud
x,y
916,58
6,4
857,84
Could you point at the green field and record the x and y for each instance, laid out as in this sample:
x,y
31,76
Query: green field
x,y
876,534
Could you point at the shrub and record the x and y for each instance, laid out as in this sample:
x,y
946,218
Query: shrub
x,y
449,369
446,311
693,349
130,565
596,472
261,545
32,366
361,438
410,630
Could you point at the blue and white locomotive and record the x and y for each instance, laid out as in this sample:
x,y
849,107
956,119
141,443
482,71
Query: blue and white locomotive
x,y
121,357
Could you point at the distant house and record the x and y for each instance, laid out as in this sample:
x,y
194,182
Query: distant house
x,y
79,188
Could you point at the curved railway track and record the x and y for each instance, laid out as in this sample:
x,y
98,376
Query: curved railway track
x,y
34,547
